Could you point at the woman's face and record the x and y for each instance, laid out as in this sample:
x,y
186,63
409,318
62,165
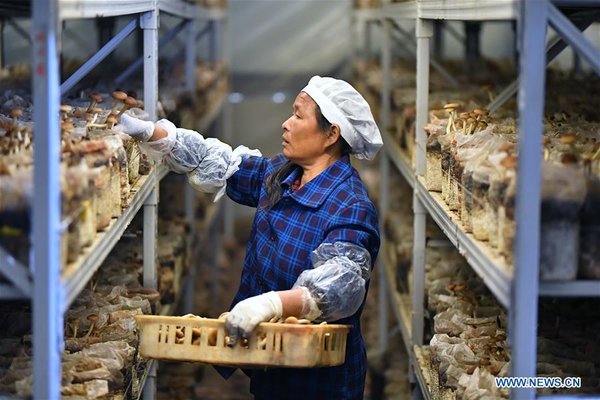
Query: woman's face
x,y
303,141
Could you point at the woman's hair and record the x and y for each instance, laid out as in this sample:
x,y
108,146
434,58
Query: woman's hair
x,y
274,180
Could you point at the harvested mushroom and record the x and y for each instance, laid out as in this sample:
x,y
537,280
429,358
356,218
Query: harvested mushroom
x,y
224,315
212,337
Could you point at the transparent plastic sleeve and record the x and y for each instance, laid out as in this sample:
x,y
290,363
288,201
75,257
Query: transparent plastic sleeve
x,y
207,162
336,286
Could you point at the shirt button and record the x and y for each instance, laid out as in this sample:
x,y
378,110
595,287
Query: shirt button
x,y
272,237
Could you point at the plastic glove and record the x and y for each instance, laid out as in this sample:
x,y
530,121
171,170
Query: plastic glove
x,y
336,286
246,314
136,128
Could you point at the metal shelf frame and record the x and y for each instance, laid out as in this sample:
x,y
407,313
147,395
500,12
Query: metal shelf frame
x,y
518,290
50,292
400,309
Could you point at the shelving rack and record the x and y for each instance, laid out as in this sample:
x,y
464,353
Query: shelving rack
x,y
51,292
517,290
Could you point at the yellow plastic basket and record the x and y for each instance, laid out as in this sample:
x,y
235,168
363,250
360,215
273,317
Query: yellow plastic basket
x,y
271,344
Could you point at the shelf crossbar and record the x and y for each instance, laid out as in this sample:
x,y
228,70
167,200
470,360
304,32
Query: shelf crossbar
x,y
412,47
572,35
395,153
555,46
164,40
579,288
98,57
399,307
15,272
9,292
174,58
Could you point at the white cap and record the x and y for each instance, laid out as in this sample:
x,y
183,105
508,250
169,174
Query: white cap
x,y
341,104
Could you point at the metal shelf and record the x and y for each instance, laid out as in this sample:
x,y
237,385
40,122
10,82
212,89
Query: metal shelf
x,y
570,288
78,9
186,10
465,10
400,303
398,157
9,292
367,14
149,366
418,358
17,274
492,269
77,274
400,11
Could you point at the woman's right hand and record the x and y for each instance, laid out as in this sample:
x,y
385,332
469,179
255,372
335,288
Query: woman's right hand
x,y
136,128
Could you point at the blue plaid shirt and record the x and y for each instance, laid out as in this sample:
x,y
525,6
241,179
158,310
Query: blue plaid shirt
x,y
333,207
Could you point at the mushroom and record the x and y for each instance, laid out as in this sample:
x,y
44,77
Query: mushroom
x,y
92,318
587,162
95,98
568,158
96,110
119,97
481,125
472,124
481,112
462,118
111,120
451,109
510,161
65,110
569,139
224,315
15,113
75,325
128,103
4,170
67,126
547,146
212,337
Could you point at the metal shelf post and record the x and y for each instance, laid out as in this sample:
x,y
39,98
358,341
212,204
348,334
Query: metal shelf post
x,y
190,57
384,296
524,296
47,315
424,33
149,23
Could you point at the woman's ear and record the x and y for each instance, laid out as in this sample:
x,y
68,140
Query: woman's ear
x,y
333,134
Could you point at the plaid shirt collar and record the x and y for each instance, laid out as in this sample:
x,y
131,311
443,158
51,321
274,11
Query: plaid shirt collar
x,y
314,193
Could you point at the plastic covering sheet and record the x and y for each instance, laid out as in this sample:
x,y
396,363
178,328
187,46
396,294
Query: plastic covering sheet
x,y
337,284
207,162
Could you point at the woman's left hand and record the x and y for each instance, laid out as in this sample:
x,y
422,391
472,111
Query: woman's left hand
x,y
246,314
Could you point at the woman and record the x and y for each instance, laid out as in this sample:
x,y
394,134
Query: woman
x,y
315,235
